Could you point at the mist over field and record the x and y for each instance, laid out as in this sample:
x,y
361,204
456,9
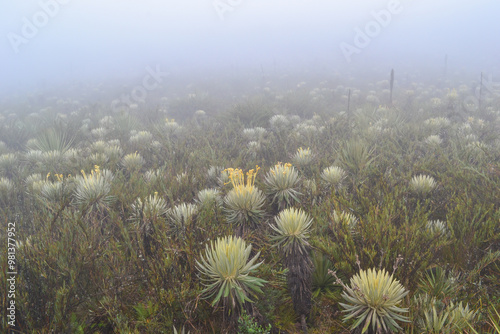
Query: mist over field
x,y
49,42
250,166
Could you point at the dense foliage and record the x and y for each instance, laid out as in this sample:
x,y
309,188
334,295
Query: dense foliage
x,y
128,221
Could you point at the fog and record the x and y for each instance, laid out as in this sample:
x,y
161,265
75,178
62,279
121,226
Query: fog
x,y
47,43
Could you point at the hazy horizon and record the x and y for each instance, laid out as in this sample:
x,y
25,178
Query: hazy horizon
x,y
48,43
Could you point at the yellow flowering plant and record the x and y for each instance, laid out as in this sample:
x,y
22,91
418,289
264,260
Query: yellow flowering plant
x,y
244,202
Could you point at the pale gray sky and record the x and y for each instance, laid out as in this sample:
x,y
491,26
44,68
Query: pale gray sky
x,y
64,40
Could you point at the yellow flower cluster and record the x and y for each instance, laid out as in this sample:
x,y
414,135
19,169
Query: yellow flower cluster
x,y
285,168
303,152
94,173
238,178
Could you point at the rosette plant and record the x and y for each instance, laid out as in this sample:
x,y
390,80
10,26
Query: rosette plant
x,y
92,193
372,299
146,214
303,157
243,203
282,182
226,270
422,185
291,233
181,217
333,176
